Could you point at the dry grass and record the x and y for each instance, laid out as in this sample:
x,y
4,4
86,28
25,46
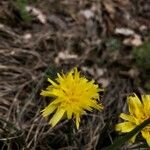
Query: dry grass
x,y
30,51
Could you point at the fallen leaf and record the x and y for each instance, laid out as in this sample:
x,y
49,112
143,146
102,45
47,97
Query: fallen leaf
x,y
36,12
104,82
134,40
110,7
87,13
64,56
100,71
27,36
124,31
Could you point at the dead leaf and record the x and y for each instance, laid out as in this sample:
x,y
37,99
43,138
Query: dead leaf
x,y
134,40
64,56
124,31
143,28
89,70
104,82
100,71
36,12
124,2
26,37
110,7
87,13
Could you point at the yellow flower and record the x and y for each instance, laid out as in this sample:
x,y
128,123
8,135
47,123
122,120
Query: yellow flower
x,y
139,112
72,95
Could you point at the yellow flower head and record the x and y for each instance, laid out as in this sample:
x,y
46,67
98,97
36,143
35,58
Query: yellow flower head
x,y
139,112
72,95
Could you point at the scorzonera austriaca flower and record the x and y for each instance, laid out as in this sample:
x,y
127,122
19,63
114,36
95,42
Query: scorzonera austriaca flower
x,y
139,111
72,95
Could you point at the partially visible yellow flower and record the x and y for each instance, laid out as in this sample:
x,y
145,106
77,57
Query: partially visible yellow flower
x,y
72,96
139,112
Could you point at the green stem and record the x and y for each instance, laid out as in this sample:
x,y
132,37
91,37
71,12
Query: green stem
x,y
117,143
71,135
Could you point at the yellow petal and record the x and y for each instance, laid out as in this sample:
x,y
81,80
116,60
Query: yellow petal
x,y
77,120
69,112
70,76
48,110
133,138
127,117
57,93
76,73
135,106
49,88
88,108
146,103
57,116
46,93
60,78
95,105
52,82
146,136
125,127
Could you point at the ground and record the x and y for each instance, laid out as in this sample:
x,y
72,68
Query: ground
x,y
108,40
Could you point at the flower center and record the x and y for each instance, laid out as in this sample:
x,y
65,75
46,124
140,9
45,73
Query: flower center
x,y
72,99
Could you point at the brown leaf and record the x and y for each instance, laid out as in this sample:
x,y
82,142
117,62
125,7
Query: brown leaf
x,y
110,7
135,40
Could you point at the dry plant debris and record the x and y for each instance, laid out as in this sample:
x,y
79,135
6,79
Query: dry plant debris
x,y
60,35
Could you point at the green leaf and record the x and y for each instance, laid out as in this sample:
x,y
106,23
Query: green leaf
x,y
117,143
